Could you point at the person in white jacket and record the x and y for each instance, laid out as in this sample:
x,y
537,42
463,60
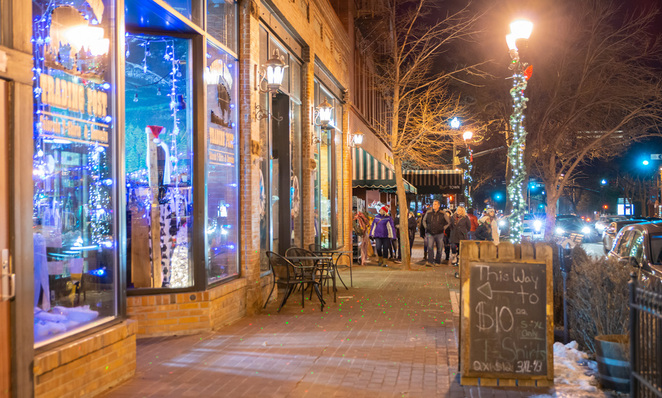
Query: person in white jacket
x,y
490,219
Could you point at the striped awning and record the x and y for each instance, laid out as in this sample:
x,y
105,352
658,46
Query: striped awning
x,y
370,173
435,181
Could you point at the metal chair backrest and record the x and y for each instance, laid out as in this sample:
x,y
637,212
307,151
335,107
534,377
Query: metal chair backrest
x,y
282,268
299,252
314,247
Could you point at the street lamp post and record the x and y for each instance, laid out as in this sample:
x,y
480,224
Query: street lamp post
x,y
467,136
519,30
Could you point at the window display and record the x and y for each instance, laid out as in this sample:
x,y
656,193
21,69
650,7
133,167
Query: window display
x,y
222,21
73,215
328,177
158,153
222,170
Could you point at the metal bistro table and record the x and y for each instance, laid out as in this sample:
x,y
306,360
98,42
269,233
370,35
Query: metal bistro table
x,y
335,252
325,263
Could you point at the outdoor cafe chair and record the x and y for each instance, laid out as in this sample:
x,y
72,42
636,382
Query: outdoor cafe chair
x,y
318,250
290,275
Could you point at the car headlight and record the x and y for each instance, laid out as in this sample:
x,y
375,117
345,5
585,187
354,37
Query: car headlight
x,y
586,230
560,231
503,223
537,225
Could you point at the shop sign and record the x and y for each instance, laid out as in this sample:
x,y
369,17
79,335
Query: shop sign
x,y
71,67
221,136
65,95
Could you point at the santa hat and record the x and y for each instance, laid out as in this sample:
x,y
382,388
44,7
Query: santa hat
x,y
384,209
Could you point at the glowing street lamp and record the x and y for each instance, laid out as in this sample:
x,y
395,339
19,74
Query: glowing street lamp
x,y
520,30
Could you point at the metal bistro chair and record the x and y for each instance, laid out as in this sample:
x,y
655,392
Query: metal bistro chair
x,y
323,264
291,275
318,250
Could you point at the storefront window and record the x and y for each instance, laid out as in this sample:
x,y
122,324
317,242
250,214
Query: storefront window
x,y
222,170
181,6
74,185
339,193
296,217
325,189
328,179
158,153
222,21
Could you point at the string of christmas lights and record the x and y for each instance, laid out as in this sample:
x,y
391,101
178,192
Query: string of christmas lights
x,y
467,178
516,151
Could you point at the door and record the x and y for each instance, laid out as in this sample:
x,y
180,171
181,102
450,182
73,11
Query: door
x,y
5,336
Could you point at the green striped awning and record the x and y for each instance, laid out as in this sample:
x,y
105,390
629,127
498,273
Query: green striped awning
x,y
368,172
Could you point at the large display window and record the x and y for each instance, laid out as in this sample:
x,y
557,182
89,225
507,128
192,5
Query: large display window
x,y
159,159
222,21
74,217
281,215
222,232
328,177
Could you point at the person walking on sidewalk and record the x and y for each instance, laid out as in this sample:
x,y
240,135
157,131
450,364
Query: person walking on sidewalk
x,y
411,232
474,223
421,230
383,231
447,235
435,223
490,221
461,227
361,227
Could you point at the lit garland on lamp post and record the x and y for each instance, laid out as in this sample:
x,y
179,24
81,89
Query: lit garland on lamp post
x,y
468,160
520,29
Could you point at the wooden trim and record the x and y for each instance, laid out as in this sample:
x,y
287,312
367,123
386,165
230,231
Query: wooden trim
x,y
5,332
21,248
19,66
20,13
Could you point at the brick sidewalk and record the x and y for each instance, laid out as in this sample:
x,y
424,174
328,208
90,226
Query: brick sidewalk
x,y
392,335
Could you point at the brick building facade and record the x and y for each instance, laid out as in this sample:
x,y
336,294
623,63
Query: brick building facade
x,y
160,169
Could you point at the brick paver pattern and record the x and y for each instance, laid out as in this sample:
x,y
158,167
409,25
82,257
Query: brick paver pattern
x,y
394,334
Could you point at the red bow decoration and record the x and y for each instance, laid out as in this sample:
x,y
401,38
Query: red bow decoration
x,y
156,130
528,72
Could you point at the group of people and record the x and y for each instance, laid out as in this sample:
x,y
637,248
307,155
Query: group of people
x,y
441,229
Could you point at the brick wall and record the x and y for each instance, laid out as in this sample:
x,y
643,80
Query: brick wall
x,y
195,312
89,365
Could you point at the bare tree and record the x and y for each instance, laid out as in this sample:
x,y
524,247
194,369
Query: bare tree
x,y
406,46
637,189
596,90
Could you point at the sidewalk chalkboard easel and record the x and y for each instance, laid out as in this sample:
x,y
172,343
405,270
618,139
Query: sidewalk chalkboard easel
x,y
506,312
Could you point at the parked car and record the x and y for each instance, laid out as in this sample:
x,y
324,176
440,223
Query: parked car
x,y
609,234
534,226
567,224
604,221
640,245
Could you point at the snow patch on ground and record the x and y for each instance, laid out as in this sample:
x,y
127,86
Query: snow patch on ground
x,y
574,374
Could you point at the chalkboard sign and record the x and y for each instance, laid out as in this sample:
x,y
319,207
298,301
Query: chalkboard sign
x,y
508,318
506,330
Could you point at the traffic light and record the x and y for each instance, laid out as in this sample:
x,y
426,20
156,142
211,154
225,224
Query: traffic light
x,y
605,207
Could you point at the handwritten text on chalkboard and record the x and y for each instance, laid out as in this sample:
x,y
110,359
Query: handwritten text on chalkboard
x,y
508,318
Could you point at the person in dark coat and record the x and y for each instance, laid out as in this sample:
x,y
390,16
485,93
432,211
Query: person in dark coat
x,y
411,229
383,231
461,227
421,230
447,235
435,222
